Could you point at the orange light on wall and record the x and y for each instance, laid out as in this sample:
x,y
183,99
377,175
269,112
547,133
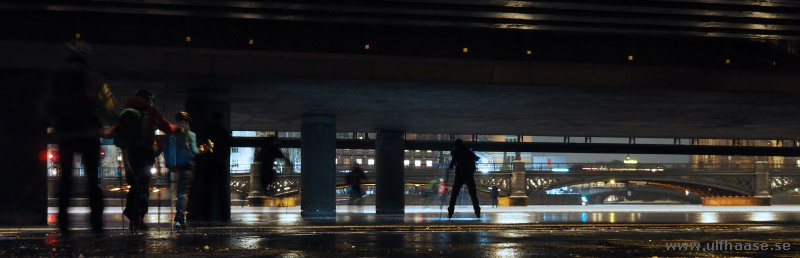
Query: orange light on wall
x,y
251,42
77,35
366,47
727,61
188,39
465,50
630,58
528,52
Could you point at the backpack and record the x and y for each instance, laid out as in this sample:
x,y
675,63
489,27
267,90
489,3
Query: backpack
x,y
130,130
178,150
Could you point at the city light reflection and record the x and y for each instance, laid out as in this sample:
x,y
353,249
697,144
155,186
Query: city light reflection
x,y
512,218
508,252
250,243
288,218
761,216
709,217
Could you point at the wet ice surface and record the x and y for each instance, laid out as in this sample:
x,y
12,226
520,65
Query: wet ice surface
x,y
532,231
554,214
401,241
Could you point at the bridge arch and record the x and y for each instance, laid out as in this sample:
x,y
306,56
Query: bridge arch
x,y
724,188
605,193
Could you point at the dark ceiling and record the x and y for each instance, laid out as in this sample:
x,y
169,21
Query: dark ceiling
x,y
646,68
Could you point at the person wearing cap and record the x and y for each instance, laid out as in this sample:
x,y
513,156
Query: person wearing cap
x,y
139,160
179,153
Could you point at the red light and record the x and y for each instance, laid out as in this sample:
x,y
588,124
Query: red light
x,y
589,168
102,153
46,155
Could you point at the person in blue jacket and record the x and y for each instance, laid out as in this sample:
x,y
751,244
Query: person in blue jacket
x,y
179,152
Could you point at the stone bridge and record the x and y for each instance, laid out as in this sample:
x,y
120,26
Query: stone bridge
x,y
703,182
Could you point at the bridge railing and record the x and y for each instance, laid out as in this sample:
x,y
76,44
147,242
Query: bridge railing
x,y
494,168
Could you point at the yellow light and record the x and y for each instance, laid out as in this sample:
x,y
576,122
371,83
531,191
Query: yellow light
x,y
77,35
366,47
465,50
528,52
774,63
251,42
612,181
630,58
188,39
727,61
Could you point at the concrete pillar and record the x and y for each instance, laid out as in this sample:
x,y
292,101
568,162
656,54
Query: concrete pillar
x,y
23,132
209,106
518,196
389,181
256,197
761,183
318,166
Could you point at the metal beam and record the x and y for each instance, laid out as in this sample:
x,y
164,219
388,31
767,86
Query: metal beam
x,y
722,18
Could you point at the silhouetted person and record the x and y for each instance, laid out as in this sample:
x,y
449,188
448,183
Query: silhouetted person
x,y
495,193
179,153
135,135
354,179
464,161
267,155
79,102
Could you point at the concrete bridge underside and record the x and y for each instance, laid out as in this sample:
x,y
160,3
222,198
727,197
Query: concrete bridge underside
x,y
272,90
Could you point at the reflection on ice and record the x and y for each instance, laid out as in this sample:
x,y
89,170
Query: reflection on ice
x,y
513,218
762,216
709,217
288,218
507,252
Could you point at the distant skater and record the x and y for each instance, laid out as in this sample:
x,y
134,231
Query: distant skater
x,y
267,155
464,161
354,179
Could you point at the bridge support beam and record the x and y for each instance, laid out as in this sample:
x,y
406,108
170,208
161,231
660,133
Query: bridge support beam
x,y
318,185
389,181
518,195
24,185
761,184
